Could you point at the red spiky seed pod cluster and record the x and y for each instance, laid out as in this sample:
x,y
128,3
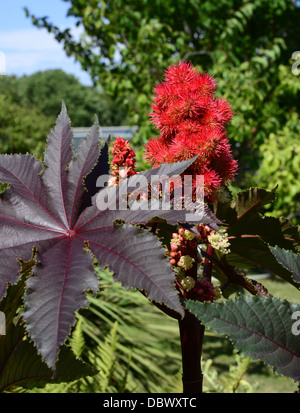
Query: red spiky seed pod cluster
x,y
123,163
204,232
204,291
180,244
192,121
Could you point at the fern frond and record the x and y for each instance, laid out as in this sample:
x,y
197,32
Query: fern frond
x,y
77,341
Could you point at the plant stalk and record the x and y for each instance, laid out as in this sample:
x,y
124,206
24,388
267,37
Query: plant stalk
x,y
207,263
191,336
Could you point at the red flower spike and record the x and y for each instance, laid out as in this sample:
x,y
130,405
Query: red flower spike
x,y
124,158
192,121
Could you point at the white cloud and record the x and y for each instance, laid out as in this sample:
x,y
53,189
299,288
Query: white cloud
x,y
31,50
33,39
28,40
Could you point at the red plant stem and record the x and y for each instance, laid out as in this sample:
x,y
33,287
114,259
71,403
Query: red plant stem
x,y
207,263
191,336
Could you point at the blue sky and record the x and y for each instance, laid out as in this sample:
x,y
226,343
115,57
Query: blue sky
x,y
28,49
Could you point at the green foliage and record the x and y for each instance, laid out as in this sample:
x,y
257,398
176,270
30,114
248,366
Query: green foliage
x,y
265,129
104,360
289,260
112,376
46,90
280,166
228,382
260,327
76,341
250,235
22,129
29,104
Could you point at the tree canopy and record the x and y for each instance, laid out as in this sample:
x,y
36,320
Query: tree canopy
x,y
29,106
22,129
46,90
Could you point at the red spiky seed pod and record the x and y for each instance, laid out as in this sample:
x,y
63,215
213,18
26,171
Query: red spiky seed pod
x,y
192,121
123,163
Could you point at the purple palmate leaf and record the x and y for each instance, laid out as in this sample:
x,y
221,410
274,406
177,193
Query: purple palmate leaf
x,y
22,171
125,248
43,212
80,166
56,291
58,155
23,225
